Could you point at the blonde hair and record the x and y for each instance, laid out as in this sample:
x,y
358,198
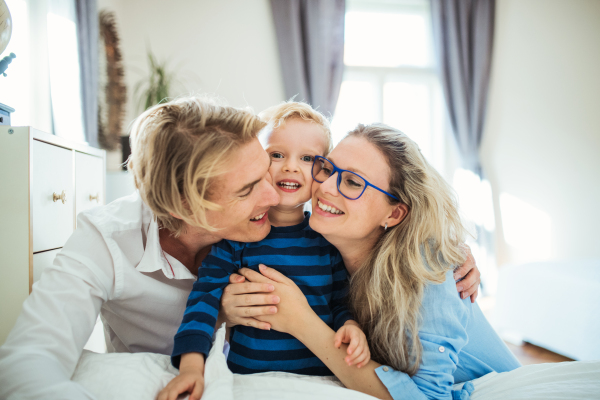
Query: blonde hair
x,y
386,292
177,148
276,116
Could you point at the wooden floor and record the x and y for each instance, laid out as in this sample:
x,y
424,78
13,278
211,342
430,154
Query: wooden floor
x,y
528,353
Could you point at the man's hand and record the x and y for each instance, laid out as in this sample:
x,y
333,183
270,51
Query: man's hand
x,y
358,349
468,277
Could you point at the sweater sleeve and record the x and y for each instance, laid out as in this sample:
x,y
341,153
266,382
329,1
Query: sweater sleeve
x,y
202,308
339,300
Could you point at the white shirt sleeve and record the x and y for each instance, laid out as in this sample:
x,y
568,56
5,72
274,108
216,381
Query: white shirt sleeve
x,y
42,351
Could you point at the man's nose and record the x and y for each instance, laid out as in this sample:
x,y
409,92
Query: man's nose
x,y
269,195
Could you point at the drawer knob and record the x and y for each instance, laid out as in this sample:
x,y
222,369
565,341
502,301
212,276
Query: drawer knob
x,y
62,197
96,197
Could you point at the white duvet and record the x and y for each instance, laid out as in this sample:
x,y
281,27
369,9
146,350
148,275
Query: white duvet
x,y
142,375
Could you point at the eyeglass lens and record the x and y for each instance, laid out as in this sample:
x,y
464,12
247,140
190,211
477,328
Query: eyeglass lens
x,y
351,184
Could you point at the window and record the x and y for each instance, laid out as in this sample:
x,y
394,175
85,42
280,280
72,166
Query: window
x,y
43,83
389,73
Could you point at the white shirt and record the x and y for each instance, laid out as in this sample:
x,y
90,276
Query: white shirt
x,y
113,265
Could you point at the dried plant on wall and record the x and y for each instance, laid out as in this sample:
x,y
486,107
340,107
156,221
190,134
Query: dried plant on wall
x,y
114,99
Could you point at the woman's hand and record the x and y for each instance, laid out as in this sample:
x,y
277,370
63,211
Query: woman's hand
x,y
242,301
293,309
469,277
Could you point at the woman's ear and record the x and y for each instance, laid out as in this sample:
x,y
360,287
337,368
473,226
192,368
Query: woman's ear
x,y
398,214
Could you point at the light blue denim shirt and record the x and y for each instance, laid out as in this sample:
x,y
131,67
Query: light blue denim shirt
x,y
459,345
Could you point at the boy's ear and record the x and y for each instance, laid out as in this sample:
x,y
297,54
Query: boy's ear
x,y
398,214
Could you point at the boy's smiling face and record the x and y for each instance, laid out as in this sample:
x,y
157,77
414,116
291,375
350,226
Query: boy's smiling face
x,y
292,148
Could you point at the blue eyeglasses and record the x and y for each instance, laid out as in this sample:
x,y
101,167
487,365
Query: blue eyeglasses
x,y
349,184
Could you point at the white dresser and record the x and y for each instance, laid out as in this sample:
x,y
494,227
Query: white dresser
x,y
45,181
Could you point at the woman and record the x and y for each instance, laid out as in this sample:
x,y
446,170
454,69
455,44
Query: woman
x,y
399,243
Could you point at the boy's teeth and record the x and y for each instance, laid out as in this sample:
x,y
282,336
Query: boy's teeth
x,y
258,217
329,209
289,185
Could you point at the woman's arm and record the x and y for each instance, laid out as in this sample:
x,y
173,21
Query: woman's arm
x,y
296,317
243,301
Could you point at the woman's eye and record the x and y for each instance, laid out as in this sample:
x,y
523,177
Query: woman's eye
x,y
276,155
307,158
353,183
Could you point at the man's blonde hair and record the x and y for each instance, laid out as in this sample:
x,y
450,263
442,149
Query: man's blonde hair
x,y
177,148
277,116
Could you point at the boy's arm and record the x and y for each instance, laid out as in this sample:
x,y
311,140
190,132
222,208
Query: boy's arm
x,y
190,378
202,309
339,308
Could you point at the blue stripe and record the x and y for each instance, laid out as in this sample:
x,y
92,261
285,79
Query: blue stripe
x,y
272,259
276,365
275,345
197,326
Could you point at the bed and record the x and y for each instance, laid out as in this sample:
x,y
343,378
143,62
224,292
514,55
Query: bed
x,y
141,376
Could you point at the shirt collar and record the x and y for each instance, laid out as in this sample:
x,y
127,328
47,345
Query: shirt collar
x,y
155,258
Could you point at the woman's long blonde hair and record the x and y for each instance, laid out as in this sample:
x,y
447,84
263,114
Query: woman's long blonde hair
x,y
386,292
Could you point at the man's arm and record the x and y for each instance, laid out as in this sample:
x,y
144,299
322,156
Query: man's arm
x,y
42,351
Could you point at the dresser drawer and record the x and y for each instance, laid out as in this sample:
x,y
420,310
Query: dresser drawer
x,y
89,181
41,261
52,176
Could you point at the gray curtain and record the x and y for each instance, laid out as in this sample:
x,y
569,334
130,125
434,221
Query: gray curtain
x,y
87,35
310,36
463,35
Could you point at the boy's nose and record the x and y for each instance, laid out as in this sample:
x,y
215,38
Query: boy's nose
x,y
290,167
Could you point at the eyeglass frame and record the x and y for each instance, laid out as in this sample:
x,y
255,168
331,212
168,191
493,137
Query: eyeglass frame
x,y
339,179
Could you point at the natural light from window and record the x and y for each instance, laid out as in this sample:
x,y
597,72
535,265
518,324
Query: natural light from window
x,y
389,74
386,39
64,70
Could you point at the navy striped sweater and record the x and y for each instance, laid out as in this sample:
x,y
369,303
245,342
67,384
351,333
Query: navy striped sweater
x,y
302,255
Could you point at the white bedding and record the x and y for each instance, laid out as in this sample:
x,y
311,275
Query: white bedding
x,y
141,376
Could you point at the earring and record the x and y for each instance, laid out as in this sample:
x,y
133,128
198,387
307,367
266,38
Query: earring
x,y
385,228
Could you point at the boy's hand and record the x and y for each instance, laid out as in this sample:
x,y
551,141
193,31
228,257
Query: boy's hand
x,y
358,350
190,379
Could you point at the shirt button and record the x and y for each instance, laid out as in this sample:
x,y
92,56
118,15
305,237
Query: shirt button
x,y
385,369
442,349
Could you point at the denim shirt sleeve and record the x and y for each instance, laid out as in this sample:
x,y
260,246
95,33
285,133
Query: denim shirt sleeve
x,y
443,334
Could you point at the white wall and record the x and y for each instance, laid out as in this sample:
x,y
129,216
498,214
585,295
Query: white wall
x,y
542,137
227,48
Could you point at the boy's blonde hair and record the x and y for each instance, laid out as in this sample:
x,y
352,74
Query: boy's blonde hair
x,y
276,117
177,148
